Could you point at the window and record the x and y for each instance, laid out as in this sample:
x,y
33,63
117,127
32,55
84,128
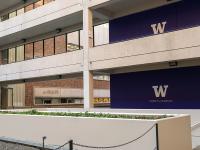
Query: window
x,y
20,11
29,51
20,53
5,56
38,3
4,17
49,47
11,55
60,44
12,14
29,7
57,101
73,41
47,101
38,101
101,34
48,1
38,49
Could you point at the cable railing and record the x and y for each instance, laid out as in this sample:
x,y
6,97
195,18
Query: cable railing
x,y
71,144
194,127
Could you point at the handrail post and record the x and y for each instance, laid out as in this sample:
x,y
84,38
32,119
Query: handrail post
x,y
71,145
157,137
43,140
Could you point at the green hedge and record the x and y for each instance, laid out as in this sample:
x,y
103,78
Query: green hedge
x,y
88,114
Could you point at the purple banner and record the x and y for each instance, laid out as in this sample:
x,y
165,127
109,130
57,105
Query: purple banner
x,y
161,89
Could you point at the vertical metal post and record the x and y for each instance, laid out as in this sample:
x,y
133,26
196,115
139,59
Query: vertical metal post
x,y
157,137
43,139
71,145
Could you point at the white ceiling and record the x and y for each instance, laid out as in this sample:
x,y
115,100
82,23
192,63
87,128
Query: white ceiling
x,y
4,4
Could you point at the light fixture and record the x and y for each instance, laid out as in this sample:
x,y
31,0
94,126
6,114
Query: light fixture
x,y
58,30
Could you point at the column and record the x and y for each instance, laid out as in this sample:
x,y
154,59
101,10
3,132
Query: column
x,y
87,43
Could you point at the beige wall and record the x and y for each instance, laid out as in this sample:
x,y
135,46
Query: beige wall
x,y
175,134
18,95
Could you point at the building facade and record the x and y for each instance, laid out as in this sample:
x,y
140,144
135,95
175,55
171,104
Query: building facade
x,y
149,48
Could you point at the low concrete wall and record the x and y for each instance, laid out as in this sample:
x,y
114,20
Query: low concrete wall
x,y
10,146
94,132
175,134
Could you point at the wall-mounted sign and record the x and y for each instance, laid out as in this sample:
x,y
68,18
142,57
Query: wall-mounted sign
x,y
102,100
160,89
54,92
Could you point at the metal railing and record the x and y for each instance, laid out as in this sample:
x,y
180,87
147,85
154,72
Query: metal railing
x,y
71,143
194,127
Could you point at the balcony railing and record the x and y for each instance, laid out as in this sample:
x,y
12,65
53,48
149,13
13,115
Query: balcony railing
x,y
24,9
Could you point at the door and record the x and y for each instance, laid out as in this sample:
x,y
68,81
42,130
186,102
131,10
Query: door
x,y
6,98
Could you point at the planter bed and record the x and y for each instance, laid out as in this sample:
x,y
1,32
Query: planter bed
x,y
168,132
89,114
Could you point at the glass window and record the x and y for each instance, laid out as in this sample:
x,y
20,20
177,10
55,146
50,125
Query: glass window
x,y
38,49
29,7
38,3
29,51
12,14
49,47
5,56
73,41
48,1
20,53
20,11
81,39
60,44
38,101
4,17
101,34
11,55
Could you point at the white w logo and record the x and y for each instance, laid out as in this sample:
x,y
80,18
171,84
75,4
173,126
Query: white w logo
x,y
160,91
159,28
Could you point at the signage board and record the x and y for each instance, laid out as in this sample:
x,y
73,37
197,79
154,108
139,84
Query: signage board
x,y
159,89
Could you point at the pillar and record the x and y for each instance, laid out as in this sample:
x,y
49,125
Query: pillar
x,y
87,43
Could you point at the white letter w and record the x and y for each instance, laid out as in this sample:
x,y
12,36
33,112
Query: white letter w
x,y
159,28
160,91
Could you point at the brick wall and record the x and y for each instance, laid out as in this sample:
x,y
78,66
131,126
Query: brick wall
x,y
49,47
66,83
29,51
38,49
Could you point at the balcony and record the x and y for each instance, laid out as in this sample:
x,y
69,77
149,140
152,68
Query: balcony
x,y
66,63
41,20
178,45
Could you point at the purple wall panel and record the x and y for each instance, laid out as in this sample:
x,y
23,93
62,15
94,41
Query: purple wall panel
x,y
135,90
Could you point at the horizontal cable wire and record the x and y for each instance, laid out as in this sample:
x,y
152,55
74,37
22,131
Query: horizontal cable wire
x,y
62,146
120,145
